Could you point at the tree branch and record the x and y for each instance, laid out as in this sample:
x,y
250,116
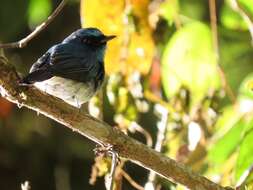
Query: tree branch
x,y
98,131
23,42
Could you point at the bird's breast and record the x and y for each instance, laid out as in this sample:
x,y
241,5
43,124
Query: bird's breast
x,y
71,91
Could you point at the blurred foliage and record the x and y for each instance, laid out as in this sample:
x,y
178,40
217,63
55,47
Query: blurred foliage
x,y
184,60
129,22
164,56
230,19
38,11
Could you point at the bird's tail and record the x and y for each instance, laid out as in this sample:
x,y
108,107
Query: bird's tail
x,y
35,76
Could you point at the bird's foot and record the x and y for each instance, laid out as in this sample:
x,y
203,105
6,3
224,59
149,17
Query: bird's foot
x,y
78,105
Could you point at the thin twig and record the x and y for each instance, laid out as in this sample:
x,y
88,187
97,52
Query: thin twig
x,y
131,181
245,15
118,180
23,42
136,127
212,9
213,18
225,84
110,177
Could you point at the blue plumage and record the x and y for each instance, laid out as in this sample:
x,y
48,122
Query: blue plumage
x,y
72,70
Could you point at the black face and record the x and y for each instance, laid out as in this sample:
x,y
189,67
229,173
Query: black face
x,y
97,40
88,36
94,40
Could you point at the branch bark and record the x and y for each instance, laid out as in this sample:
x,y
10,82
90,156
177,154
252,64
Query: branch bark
x,y
98,131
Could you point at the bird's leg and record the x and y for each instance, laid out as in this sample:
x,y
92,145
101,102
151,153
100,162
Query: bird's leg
x,y
77,103
46,86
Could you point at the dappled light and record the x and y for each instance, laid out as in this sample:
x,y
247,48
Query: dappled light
x,y
174,75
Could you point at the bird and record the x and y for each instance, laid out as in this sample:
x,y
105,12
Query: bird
x,y
72,70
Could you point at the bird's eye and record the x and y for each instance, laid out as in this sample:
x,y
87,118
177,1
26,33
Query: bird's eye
x,y
87,41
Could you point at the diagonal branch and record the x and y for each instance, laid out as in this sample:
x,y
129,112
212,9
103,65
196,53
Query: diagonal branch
x,y
23,42
98,131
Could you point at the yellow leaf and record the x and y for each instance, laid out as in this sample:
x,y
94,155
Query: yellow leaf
x,y
250,85
134,47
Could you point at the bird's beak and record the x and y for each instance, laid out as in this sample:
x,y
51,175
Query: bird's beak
x,y
107,38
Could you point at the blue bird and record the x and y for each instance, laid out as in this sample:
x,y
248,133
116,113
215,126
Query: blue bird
x,y
72,70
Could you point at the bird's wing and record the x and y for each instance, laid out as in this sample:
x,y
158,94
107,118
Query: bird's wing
x,y
64,60
73,62
39,71
41,63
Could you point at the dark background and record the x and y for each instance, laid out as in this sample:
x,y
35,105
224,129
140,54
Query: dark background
x,y
52,157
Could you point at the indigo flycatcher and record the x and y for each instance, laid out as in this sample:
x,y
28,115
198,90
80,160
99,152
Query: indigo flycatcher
x,y
72,70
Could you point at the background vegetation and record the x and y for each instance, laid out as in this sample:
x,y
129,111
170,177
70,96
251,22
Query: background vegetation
x,y
179,79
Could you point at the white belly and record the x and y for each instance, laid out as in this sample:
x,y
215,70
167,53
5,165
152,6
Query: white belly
x,y
72,92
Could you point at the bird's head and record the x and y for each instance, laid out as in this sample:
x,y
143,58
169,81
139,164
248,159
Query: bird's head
x,y
89,36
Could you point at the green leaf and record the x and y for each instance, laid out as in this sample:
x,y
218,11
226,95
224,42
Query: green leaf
x,y
247,6
189,60
227,144
236,55
169,10
231,19
245,157
193,9
38,11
